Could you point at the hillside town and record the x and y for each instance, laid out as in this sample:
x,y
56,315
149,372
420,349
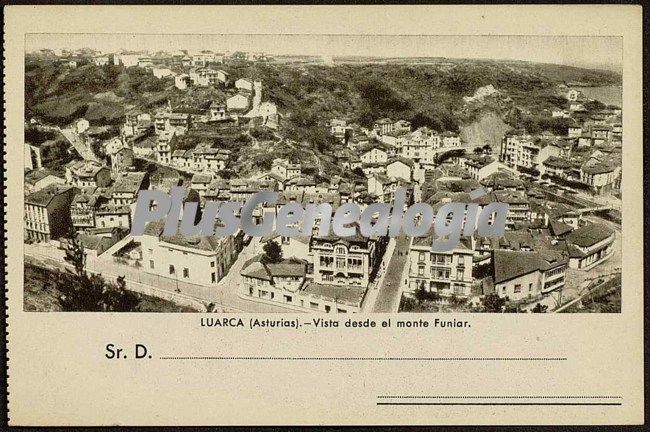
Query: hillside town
x,y
224,137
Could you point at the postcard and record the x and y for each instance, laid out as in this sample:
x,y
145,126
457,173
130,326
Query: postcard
x,y
324,215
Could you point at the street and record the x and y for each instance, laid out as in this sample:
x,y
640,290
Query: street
x,y
390,291
224,294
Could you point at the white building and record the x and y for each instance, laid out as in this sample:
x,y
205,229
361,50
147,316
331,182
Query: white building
x,y
200,260
446,273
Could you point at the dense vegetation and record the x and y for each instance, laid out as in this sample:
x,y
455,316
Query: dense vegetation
x,y
308,95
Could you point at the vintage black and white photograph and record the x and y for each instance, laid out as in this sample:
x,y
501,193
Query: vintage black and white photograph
x,y
534,122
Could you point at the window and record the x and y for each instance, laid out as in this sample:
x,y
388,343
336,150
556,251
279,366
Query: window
x,y
459,275
461,260
530,287
288,299
151,264
171,269
186,273
421,270
421,256
211,263
517,288
214,277
327,308
340,250
313,305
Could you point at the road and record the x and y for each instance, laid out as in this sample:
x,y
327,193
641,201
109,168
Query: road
x,y
225,294
373,291
390,291
577,280
84,150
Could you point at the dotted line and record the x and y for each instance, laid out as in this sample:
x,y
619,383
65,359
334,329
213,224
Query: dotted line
x,y
369,358
499,397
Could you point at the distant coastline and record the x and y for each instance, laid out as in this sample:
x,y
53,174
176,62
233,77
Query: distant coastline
x,y
610,95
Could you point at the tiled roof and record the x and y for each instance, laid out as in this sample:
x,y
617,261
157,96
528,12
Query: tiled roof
x,y
44,196
352,295
512,264
589,235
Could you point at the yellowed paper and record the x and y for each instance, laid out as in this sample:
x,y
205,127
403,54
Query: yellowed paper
x,y
324,104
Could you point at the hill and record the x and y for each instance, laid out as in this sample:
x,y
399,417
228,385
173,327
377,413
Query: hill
x,y
427,92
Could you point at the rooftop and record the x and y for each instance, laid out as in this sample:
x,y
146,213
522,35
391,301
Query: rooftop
x,y
129,182
351,295
44,196
509,265
589,235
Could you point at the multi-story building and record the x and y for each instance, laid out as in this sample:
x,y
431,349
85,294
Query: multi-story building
x,y
510,145
601,134
286,284
601,176
38,179
201,183
337,128
201,260
119,156
522,276
446,273
87,174
375,153
555,166
383,126
574,131
384,187
210,160
285,169
82,210
400,168
479,167
350,260
112,216
180,122
161,121
47,212
165,147
218,111
126,188
278,282
518,206
450,139
590,245
520,150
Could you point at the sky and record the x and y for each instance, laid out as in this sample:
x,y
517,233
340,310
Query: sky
x,y
596,52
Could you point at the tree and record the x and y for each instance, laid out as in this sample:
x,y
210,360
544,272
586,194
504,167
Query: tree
x,y
272,252
421,294
478,150
91,293
539,308
493,303
119,299
359,172
75,254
